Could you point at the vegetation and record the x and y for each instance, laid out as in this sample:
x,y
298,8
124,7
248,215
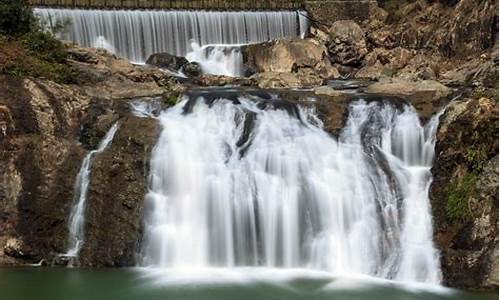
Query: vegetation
x,y
26,49
460,190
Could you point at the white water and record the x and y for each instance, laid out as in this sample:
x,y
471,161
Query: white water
x,y
136,34
77,217
291,196
218,59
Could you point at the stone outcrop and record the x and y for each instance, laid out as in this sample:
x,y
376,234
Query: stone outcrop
x,y
464,194
102,75
290,63
325,13
116,194
40,157
45,131
346,44
427,96
461,28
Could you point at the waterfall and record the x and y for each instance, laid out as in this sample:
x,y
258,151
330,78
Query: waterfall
x,y
77,216
218,59
245,181
136,34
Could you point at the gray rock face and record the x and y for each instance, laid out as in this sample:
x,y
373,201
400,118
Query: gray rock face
x,y
347,45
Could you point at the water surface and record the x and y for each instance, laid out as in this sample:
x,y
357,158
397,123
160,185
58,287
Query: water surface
x,y
131,284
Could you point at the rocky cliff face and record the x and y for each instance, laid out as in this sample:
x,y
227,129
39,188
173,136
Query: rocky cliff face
x,y
46,129
464,194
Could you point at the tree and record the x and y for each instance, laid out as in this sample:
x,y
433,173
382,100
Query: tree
x,y
16,17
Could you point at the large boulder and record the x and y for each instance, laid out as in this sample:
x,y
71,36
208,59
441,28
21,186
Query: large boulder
x,y
464,194
167,61
347,45
289,56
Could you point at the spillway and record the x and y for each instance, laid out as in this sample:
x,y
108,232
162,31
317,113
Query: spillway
x,y
135,34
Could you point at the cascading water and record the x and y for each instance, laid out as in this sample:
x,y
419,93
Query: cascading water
x,y
218,59
253,182
77,217
137,34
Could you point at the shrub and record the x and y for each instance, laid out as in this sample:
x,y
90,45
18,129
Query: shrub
x,y
16,17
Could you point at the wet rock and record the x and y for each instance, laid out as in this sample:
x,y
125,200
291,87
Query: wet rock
x,y
192,69
347,45
167,61
116,194
464,194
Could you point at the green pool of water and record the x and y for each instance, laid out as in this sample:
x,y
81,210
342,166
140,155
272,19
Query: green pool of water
x,y
132,284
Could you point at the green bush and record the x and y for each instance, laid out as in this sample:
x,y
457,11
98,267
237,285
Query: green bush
x,y
45,46
16,17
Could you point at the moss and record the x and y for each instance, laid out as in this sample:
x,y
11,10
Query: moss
x,y
170,99
476,157
459,192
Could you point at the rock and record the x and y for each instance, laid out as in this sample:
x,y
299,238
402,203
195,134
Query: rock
x,y
14,247
327,90
400,87
103,75
118,174
286,56
167,60
271,80
192,69
464,194
464,29
373,72
427,96
325,13
347,45
221,80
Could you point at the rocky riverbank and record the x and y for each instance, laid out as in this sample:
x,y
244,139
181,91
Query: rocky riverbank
x,y
437,55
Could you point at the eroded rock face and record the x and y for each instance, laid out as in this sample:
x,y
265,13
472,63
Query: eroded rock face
x,y
464,194
45,131
347,45
116,195
40,157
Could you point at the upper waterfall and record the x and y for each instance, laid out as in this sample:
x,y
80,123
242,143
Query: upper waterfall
x,y
135,34
245,181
